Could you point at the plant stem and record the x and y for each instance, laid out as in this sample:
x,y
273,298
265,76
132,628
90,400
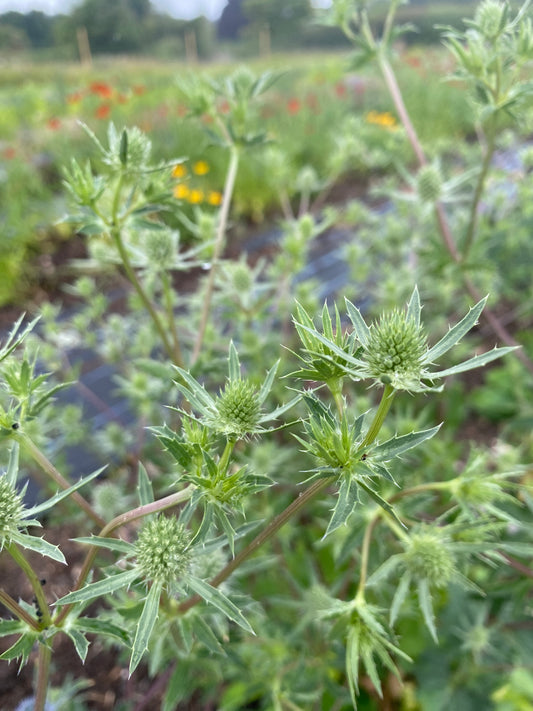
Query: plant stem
x,y
59,479
167,295
132,276
267,533
16,609
365,550
20,559
43,673
120,520
217,249
379,417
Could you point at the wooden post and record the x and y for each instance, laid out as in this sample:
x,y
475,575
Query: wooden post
x,y
84,47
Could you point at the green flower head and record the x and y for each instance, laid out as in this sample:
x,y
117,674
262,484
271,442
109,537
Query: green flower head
x,y
428,556
11,509
162,551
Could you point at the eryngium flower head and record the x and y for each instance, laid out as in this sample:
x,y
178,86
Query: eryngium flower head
x,y
490,18
162,550
238,407
428,557
395,350
11,509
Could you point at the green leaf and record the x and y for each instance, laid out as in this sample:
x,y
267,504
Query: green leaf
x,y
414,308
49,503
144,486
146,625
113,544
234,366
266,387
79,641
455,334
123,152
15,338
347,499
13,464
101,587
96,625
8,627
21,649
399,596
426,607
39,545
205,635
398,445
214,597
476,362
361,329
194,392
380,501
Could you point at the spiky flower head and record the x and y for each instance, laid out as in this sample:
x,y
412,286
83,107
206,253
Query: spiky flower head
x,y
395,350
490,18
238,407
11,509
428,557
160,247
162,550
429,183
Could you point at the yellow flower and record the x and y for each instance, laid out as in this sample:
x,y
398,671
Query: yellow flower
x,y
384,119
179,171
214,198
181,191
196,196
201,167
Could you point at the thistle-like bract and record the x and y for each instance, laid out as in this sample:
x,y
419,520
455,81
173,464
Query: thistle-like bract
x,y
162,550
428,557
11,509
490,18
395,350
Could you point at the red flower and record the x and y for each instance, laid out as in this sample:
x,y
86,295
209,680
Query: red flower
x,y
224,107
9,153
340,90
103,111
139,89
122,98
293,106
53,123
101,89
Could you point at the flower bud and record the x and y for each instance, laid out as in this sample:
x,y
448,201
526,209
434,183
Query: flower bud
x,y
162,550
238,407
490,18
428,557
395,350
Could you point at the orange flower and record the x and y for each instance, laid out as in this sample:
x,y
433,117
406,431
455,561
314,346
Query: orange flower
x,y
214,198
196,196
139,89
293,106
9,153
181,191
179,171
53,123
103,111
201,167
123,98
75,97
340,90
101,89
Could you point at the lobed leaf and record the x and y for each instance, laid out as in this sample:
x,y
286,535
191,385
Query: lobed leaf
x,y
398,445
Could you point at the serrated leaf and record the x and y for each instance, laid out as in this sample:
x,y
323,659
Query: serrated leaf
x,y
13,464
214,597
455,334
146,625
399,596
234,366
414,308
426,607
95,625
398,445
20,649
361,329
380,501
79,641
39,545
9,627
205,635
101,587
347,499
49,503
112,544
145,491
266,387
476,362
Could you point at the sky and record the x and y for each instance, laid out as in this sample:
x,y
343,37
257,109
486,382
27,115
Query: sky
x,y
185,9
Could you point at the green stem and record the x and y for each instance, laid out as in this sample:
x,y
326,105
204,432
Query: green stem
x,y
59,479
217,250
379,417
43,674
480,186
224,459
270,530
132,276
167,295
365,550
19,558
16,609
120,520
